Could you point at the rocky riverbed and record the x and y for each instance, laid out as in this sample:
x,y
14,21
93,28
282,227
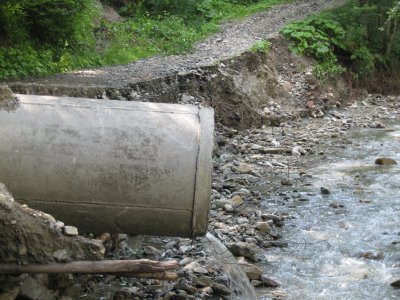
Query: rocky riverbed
x,y
257,174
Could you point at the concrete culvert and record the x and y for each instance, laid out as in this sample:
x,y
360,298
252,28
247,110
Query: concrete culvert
x,y
110,166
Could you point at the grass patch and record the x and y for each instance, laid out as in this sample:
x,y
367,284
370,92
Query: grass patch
x,y
151,28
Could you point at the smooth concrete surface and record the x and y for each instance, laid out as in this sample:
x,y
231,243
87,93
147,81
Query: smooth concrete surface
x,y
110,166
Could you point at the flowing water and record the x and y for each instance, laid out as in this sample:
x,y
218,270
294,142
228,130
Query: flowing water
x,y
345,245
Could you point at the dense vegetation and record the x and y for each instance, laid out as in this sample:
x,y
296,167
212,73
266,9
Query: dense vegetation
x,y
46,36
361,37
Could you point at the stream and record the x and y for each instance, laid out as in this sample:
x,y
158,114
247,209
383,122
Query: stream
x,y
344,245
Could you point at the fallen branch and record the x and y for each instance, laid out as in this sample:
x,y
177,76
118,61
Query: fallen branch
x,y
142,268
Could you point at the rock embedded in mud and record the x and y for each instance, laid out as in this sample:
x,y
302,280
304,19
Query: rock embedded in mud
x,y
252,271
247,250
237,200
268,282
244,168
272,217
191,266
59,225
263,227
384,161
70,230
62,255
33,290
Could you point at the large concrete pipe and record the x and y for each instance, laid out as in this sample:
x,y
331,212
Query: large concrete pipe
x,y
110,166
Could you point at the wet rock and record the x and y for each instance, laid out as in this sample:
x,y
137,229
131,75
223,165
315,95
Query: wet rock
x,y
263,227
298,150
377,125
207,290
200,270
191,266
152,252
190,289
385,161
325,191
59,225
177,295
185,261
228,207
252,271
242,220
278,244
244,168
272,217
371,255
204,281
268,282
70,230
220,203
184,249
221,289
62,255
396,284
286,182
335,205
247,250
237,200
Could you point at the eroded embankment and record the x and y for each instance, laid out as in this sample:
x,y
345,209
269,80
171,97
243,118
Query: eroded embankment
x,y
252,89
220,72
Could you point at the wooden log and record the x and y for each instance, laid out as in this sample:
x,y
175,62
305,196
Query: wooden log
x,y
168,276
142,268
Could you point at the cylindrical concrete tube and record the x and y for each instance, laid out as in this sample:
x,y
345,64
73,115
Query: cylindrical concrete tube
x,y
110,166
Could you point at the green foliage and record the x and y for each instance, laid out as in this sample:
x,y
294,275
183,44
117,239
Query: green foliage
x,y
362,35
261,46
45,36
315,37
327,69
45,21
24,61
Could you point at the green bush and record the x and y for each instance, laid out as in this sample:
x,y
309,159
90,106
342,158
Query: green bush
x,y
361,35
261,46
25,61
55,23
315,37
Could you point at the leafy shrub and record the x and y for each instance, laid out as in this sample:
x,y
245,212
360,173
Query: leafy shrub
x,y
261,46
328,69
361,35
25,61
315,37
